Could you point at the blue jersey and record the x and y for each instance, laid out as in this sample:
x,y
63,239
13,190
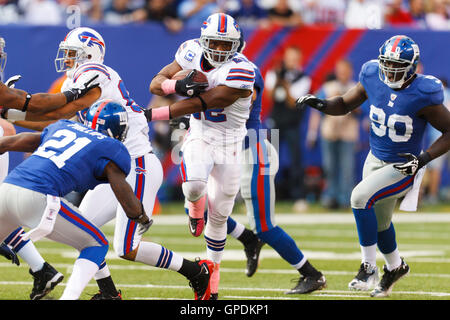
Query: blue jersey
x,y
253,123
395,125
70,158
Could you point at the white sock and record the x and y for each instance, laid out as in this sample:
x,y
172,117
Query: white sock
x,y
156,255
83,271
392,259
102,273
369,254
238,230
31,256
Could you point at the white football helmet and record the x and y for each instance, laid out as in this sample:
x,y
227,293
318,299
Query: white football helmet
x,y
219,27
80,45
2,55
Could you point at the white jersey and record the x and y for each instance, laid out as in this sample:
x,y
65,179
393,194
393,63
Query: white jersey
x,y
219,126
112,86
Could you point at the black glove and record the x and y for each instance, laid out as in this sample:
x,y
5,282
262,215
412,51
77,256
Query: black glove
x,y
9,254
188,87
180,122
76,93
412,163
12,80
311,101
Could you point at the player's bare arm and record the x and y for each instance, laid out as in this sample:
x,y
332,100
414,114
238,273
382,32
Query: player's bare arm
x,y
124,193
67,111
339,105
34,125
439,118
22,142
12,98
218,97
166,73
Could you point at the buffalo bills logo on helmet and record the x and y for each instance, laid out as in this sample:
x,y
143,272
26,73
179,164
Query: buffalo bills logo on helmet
x,y
90,40
140,170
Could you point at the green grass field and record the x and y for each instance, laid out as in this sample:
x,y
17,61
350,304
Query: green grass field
x,y
329,240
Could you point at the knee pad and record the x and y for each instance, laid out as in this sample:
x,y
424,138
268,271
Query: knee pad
x,y
359,198
194,190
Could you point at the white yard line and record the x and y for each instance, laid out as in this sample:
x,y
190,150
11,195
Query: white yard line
x,y
336,293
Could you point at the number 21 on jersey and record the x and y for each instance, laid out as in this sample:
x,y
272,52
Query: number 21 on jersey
x,y
56,150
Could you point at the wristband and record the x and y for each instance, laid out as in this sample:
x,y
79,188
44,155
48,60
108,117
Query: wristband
x,y
27,101
15,115
423,159
161,113
168,86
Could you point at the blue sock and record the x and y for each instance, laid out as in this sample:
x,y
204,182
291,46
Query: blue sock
x,y
231,224
18,243
282,243
386,240
366,224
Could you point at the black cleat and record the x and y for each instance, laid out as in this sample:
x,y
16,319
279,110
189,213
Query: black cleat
x,y
214,296
44,281
252,252
309,284
384,288
200,283
103,296
366,278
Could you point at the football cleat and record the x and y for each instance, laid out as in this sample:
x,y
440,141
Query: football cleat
x,y
252,251
309,284
214,296
200,283
103,296
44,281
196,226
384,288
366,278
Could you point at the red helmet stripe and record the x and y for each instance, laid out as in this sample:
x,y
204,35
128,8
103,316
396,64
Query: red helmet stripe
x,y
97,113
396,43
222,22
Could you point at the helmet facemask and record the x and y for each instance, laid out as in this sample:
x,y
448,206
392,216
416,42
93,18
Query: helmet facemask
x,y
68,53
3,55
395,72
214,56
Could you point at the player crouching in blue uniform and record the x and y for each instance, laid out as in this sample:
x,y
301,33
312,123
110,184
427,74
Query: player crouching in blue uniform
x,y
402,102
69,156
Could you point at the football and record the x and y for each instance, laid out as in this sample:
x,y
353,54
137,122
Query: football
x,y
199,76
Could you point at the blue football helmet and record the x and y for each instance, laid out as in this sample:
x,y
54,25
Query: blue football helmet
x,y
398,60
108,117
2,55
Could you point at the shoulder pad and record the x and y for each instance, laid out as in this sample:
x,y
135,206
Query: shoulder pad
x,y
91,67
370,67
429,84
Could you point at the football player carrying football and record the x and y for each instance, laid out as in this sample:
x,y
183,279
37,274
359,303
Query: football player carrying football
x,y
402,102
212,148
